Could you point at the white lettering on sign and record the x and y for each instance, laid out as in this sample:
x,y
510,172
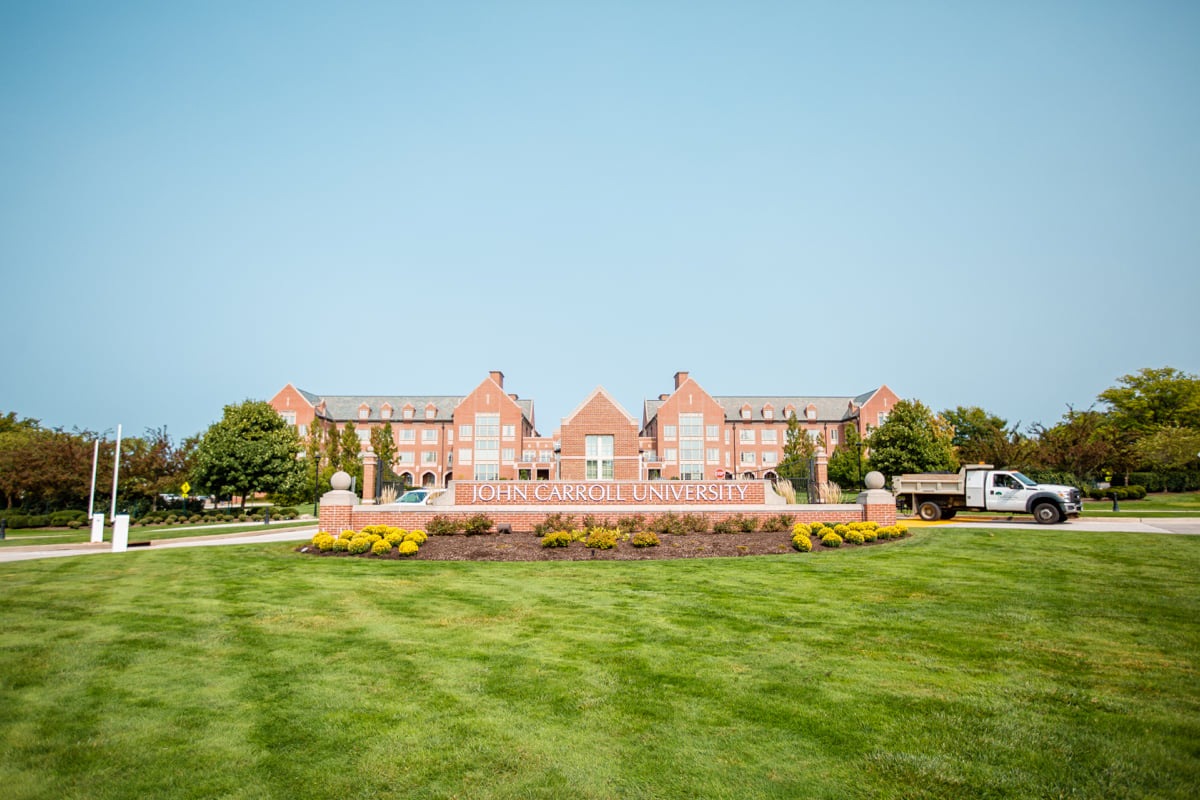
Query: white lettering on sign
x,y
649,493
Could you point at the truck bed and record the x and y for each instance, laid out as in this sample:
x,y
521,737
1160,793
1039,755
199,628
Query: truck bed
x,y
929,483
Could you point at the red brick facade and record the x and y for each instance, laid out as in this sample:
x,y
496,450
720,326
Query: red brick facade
x,y
687,434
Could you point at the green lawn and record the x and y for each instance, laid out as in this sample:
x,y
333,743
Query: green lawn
x,y
1164,502
954,664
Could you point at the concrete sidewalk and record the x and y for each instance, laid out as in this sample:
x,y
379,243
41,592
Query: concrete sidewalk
x,y
27,553
1186,526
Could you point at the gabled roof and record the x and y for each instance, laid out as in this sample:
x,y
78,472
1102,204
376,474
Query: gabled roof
x,y
344,407
312,399
829,409
599,390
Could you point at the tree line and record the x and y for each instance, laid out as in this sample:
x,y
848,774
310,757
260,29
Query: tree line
x,y
1148,427
1149,423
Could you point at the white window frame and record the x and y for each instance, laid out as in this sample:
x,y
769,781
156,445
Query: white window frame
x,y
747,459
745,436
429,456
598,457
668,433
464,433
429,436
407,435
712,433
770,436
712,455
464,456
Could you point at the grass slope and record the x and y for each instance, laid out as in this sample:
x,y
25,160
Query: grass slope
x,y
955,664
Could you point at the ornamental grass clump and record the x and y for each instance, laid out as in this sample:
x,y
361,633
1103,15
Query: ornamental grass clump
x,y
601,539
831,539
407,548
645,539
556,539
801,543
381,547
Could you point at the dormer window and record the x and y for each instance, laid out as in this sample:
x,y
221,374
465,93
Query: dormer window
x,y
768,412
789,411
364,411
746,412
811,412
430,411
385,411
408,412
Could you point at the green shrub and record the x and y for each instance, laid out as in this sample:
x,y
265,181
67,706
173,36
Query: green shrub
x,y
779,522
443,526
556,539
194,518
724,526
554,522
601,539
359,545
831,539
645,539
669,523
630,524
746,524
591,521
74,524
477,524
382,547
407,548
694,523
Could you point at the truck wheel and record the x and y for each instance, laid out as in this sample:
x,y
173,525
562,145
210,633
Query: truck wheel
x,y
1047,513
948,513
929,511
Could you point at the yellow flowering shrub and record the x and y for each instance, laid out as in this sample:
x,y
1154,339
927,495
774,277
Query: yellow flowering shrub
x,y
802,529
347,535
831,539
868,535
601,539
325,543
416,536
840,530
556,539
407,547
854,537
801,543
341,545
394,537
374,537
382,547
645,539
359,545
379,529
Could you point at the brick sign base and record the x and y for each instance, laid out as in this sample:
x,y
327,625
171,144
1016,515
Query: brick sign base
x,y
520,504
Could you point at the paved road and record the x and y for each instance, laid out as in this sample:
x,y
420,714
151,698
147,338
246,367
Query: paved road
x,y
61,550
1189,525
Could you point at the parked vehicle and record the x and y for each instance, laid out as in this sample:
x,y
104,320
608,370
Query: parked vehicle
x,y
981,487
421,497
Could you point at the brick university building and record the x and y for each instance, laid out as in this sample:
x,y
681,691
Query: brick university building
x,y
489,434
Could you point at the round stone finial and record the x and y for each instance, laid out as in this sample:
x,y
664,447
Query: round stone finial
x,y
340,481
874,480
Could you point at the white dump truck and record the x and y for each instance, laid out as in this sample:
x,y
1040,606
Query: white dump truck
x,y
982,487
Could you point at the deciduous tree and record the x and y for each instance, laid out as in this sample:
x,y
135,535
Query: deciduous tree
x,y
912,439
251,449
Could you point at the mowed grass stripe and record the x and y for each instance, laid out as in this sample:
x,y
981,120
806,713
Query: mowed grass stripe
x,y
956,663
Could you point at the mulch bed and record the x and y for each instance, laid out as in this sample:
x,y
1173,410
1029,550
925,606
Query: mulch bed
x,y
528,547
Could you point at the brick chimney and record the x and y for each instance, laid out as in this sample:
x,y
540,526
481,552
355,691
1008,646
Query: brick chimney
x,y
680,377
498,377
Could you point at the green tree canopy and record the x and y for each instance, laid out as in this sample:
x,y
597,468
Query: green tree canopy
x,y
1171,447
251,449
912,439
1154,398
384,445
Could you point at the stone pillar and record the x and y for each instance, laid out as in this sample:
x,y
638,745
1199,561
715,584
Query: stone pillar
x,y
369,460
878,504
337,506
820,477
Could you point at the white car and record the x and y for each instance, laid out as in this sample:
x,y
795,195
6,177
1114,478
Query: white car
x,y
420,497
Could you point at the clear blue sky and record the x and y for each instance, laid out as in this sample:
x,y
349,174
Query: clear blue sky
x,y
992,204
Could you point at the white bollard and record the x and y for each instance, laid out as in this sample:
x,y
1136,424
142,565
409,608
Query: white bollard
x,y
120,533
97,528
